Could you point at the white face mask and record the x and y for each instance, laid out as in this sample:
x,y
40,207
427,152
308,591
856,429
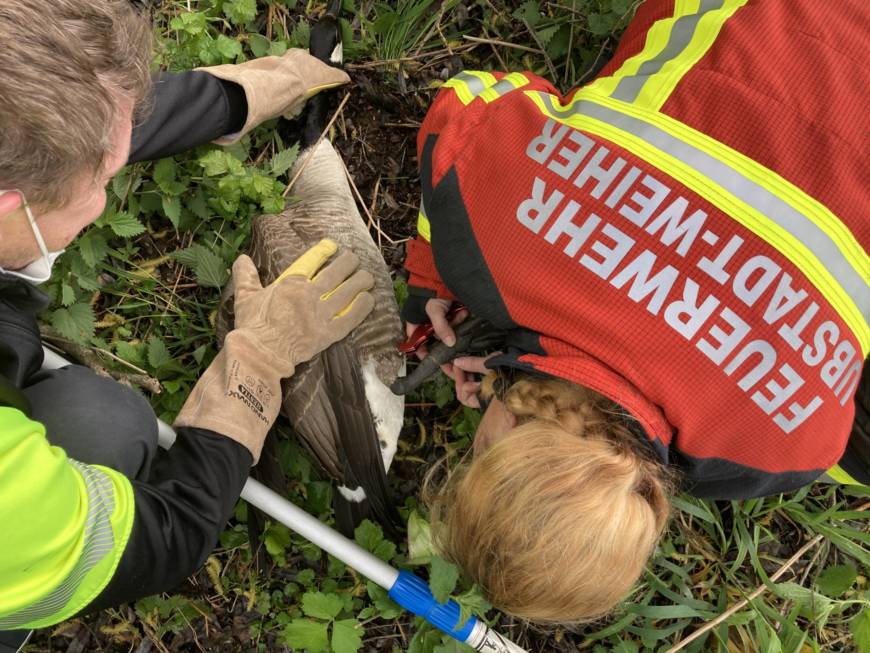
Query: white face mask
x,y
39,271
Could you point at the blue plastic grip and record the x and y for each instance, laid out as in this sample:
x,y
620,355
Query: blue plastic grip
x,y
413,594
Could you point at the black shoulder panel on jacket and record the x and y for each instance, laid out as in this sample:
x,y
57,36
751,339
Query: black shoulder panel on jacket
x,y
457,255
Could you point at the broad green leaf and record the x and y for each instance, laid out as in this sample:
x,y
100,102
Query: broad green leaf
x,y
302,634
93,247
835,580
158,353
860,627
529,12
67,295
346,636
320,605
420,549
240,11
277,539
130,353
284,160
259,44
210,269
228,48
172,209
165,171
214,163
75,322
125,225
601,24
370,536
387,608
443,579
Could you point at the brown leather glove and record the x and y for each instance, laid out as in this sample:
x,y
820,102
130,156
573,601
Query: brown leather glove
x,y
276,86
298,315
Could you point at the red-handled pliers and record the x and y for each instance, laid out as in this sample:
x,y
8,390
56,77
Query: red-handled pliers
x,y
425,332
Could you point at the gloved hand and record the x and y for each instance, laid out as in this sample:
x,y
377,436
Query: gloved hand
x,y
298,315
277,86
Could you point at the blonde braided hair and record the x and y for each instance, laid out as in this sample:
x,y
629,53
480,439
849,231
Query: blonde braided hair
x,y
556,520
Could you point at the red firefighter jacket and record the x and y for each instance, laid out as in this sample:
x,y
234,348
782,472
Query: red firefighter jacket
x,y
686,235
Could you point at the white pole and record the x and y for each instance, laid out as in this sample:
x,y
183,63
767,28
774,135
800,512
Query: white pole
x,y
481,638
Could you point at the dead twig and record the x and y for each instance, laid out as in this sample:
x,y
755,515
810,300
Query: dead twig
x,y
90,358
505,44
755,594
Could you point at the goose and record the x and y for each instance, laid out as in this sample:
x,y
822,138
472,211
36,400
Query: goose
x,y
339,403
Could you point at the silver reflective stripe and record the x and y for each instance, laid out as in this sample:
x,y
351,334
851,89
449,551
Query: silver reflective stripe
x,y
744,189
99,541
504,86
474,83
681,35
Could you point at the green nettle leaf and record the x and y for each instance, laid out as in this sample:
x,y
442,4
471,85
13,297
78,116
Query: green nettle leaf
x,y
125,225
620,7
346,636
211,270
165,171
278,48
259,44
601,24
546,35
93,248
67,294
320,605
443,578
75,323
304,634
284,160
835,580
240,11
228,48
172,209
130,353
158,353
214,163
193,23
860,626
529,11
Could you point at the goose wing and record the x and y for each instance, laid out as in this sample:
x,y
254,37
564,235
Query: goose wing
x,y
365,491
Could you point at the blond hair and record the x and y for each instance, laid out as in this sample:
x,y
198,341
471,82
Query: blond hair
x,y
556,520
64,65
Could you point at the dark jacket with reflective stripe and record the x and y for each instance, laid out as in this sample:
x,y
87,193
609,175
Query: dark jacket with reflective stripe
x,y
686,235
192,489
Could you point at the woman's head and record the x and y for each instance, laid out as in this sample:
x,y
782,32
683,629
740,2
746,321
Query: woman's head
x,y
556,517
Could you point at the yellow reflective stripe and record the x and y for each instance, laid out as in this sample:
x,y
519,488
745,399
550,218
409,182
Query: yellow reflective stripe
x,y
505,85
423,226
656,40
673,45
469,84
854,274
841,476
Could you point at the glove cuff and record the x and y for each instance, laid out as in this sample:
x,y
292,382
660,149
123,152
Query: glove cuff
x,y
239,395
276,86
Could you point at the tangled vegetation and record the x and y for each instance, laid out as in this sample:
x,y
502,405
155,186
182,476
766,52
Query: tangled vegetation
x,y
136,295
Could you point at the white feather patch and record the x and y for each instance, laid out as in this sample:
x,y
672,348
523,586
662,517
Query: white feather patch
x,y
387,409
355,496
337,55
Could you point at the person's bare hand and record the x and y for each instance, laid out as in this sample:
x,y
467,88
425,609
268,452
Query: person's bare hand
x,y
464,369
436,310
